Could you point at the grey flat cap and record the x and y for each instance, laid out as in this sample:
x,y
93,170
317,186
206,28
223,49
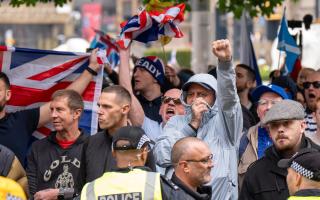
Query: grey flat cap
x,y
284,110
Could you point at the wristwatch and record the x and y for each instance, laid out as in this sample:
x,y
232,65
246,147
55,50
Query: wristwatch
x,y
61,194
65,193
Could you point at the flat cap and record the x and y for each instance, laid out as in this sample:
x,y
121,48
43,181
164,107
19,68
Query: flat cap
x,y
284,110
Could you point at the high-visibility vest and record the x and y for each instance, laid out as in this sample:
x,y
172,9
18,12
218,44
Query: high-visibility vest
x,y
134,185
304,198
9,189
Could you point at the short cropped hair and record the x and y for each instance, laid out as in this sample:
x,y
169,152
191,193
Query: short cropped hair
x,y
180,148
5,79
122,93
251,73
74,98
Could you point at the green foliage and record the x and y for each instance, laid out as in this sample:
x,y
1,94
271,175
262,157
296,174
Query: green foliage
x,y
253,7
17,3
183,56
264,72
186,2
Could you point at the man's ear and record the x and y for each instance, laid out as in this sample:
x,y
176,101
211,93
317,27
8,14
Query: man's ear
x,y
8,95
303,126
144,154
125,109
298,179
185,166
77,113
113,153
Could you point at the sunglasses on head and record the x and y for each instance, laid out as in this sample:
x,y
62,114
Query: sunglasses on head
x,y
176,101
315,84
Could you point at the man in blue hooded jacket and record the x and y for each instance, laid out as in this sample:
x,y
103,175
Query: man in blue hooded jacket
x,y
213,114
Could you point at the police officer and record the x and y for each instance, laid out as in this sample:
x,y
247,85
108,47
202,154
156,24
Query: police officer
x,y
303,176
132,180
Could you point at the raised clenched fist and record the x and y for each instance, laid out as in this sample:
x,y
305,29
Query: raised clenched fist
x,y
222,49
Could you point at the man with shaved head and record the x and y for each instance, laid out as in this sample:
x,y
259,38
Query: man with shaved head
x,y
192,161
114,105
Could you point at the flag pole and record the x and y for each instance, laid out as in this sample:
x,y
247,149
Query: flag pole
x,y
164,54
279,60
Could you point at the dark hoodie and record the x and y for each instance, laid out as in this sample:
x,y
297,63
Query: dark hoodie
x,y
265,180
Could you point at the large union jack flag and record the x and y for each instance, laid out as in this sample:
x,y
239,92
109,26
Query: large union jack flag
x,y
35,74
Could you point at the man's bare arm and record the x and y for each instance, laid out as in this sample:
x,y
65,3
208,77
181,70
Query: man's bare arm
x,y
79,85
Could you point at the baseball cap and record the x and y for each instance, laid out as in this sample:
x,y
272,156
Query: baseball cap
x,y
134,135
305,162
284,110
154,66
9,189
260,90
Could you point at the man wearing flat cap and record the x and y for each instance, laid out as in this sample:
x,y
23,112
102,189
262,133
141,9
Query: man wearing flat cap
x,y
286,125
303,177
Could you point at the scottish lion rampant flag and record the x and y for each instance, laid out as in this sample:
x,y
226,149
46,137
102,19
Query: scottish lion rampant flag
x,y
36,74
149,26
288,44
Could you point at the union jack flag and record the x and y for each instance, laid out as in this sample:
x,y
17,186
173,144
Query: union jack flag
x,y
104,41
35,74
149,26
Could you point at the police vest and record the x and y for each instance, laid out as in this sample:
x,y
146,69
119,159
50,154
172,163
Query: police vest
x,y
134,185
303,198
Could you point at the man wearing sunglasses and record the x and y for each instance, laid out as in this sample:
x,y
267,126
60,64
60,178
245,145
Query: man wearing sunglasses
x,y
171,104
311,91
213,114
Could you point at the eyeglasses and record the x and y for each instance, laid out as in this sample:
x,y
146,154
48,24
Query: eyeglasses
x,y
206,160
315,84
264,102
166,99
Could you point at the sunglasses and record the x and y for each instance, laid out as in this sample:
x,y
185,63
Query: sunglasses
x,y
315,84
204,160
166,100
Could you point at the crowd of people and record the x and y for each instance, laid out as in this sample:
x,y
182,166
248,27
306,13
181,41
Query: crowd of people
x,y
165,135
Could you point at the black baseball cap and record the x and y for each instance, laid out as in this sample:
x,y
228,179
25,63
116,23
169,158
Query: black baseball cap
x,y
305,162
134,135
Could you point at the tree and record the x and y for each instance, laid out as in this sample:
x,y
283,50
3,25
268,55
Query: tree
x,y
253,7
17,3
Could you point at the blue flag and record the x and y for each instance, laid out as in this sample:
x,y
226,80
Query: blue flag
x,y
247,55
287,43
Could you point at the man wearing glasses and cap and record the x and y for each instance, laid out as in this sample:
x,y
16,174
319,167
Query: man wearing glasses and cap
x,y
303,176
256,140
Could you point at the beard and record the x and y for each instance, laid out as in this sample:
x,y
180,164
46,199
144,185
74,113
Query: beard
x,y
2,106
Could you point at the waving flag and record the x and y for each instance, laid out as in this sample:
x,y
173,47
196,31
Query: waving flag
x,y
150,26
288,44
36,74
104,41
247,55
